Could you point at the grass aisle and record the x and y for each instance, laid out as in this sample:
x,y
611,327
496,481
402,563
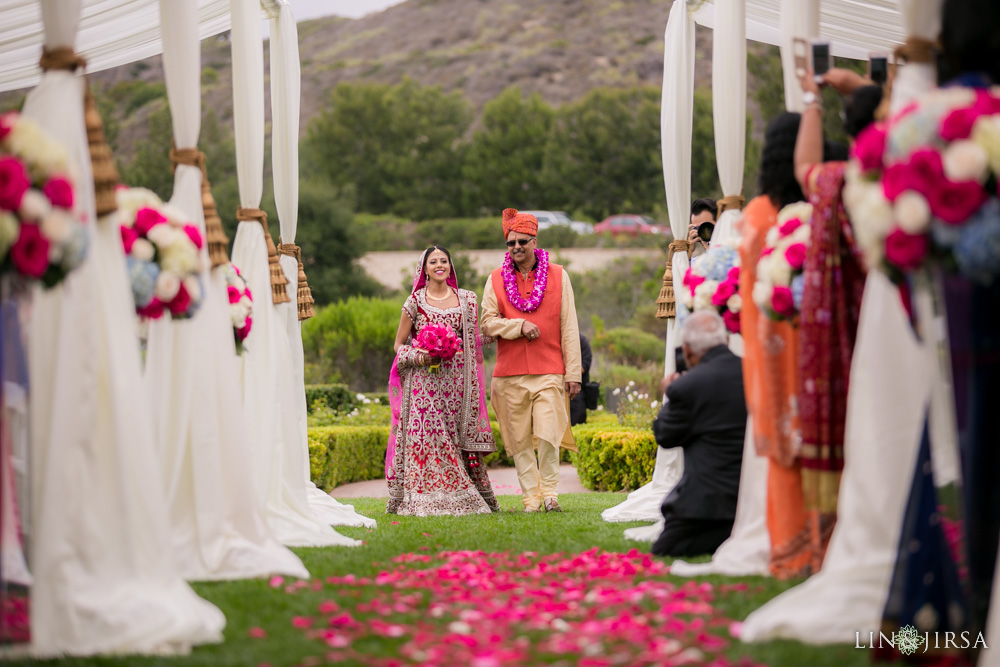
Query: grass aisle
x,y
287,623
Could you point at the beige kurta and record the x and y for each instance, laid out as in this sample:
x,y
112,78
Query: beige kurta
x,y
534,405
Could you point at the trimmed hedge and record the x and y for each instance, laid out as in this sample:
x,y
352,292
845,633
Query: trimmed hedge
x,y
344,454
339,397
614,458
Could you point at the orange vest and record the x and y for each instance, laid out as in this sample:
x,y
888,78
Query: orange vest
x,y
542,356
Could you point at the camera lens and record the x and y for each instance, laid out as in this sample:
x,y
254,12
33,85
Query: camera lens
x,y
705,230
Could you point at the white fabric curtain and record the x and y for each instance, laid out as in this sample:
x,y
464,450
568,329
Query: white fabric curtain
x,y
105,581
217,526
285,101
279,461
643,504
729,96
799,19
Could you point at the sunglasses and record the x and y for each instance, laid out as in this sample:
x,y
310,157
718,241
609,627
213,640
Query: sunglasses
x,y
520,242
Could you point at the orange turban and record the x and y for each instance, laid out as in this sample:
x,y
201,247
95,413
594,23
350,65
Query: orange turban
x,y
522,223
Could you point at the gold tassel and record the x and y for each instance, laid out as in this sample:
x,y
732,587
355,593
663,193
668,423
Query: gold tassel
x,y
279,283
666,306
218,242
304,298
102,163
731,202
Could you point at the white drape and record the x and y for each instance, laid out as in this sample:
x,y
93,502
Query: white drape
x,y
921,18
105,581
643,504
217,523
729,97
285,101
279,461
799,19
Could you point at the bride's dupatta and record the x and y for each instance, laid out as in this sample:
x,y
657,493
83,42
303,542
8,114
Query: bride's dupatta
x,y
476,434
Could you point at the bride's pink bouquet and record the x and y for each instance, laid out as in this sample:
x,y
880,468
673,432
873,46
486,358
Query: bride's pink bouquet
x,y
439,341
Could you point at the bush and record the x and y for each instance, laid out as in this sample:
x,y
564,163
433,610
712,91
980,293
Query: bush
x,y
336,397
614,458
344,454
628,346
616,376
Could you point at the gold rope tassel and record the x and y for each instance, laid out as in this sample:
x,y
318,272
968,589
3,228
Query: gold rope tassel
x,y
731,202
666,303
304,297
279,283
218,242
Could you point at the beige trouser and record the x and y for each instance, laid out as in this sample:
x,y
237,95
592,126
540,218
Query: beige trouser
x,y
532,408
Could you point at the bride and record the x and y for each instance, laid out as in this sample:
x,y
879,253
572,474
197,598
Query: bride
x,y
440,427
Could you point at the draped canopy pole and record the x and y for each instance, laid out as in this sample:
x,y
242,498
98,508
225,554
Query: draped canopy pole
x,y
799,19
285,101
279,462
218,525
105,581
729,110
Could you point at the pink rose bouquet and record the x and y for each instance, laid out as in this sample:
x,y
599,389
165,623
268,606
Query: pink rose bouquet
x,y
779,285
40,238
713,282
240,305
931,196
439,341
163,255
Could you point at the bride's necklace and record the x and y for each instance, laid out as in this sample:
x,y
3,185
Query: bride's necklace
x,y
434,298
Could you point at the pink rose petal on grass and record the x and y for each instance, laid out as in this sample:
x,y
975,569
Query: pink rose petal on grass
x,y
256,633
276,581
302,622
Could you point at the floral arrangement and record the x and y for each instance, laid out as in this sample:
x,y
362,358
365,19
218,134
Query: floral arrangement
x,y
922,188
163,255
240,304
40,239
439,341
713,282
532,303
779,286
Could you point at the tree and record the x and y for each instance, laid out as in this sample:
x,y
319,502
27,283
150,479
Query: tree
x,y
504,162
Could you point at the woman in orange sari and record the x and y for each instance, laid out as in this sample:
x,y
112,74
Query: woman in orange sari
x,y
770,360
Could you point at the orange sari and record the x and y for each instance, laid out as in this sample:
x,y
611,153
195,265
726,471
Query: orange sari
x,y
770,377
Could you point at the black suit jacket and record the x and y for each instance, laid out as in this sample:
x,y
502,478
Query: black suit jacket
x,y
706,414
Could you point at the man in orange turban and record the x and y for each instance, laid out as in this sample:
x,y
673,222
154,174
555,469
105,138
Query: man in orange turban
x,y
528,307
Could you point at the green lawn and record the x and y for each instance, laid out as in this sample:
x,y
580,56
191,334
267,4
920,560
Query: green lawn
x,y
257,604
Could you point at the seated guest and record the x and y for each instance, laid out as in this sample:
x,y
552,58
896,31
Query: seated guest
x,y
706,414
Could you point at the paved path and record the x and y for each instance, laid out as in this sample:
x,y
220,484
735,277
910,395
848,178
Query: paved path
x,y
393,268
504,484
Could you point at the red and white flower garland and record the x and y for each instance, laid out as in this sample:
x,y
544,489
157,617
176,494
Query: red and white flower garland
x,y
779,285
240,305
532,303
713,283
40,239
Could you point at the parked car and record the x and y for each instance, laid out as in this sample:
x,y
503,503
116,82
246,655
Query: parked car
x,y
628,223
548,219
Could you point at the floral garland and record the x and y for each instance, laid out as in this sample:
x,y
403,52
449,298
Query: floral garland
x,y
780,284
922,188
163,255
240,305
532,303
713,283
40,238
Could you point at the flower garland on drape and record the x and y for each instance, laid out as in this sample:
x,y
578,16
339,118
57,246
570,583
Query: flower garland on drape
x,y
780,283
713,283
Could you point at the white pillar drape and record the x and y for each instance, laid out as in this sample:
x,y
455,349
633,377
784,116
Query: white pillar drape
x,y
922,19
217,526
729,107
285,101
105,581
799,18
892,375
279,461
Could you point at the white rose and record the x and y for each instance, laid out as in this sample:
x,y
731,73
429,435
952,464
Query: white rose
x,y
912,212
34,205
801,235
182,258
734,303
762,294
986,135
130,200
143,250
779,270
56,227
801,210
174,215
246,302
163,236
9,231
239,315
966,161
688,299
772,236
703,294
193,288
167,285
43,155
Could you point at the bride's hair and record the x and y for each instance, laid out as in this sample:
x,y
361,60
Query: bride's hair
x,y
427,256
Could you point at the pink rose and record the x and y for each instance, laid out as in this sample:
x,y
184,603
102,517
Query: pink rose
x,y
59,191
129,236
732,321
6,124
722,293
193,234
734,275
692,280
766,251
955,203
153,310
30,252
907,251
782,302
870,146
14,182
921,174
958,124
243,332
789,227
248,294
795,254
146,219
234,294
180,303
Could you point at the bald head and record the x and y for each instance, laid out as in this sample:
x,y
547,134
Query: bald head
x,y
701,331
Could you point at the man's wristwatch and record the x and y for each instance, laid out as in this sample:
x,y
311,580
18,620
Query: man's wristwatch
x,y
810,98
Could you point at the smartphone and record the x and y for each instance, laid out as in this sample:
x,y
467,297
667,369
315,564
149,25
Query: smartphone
x,y
878,68
820,57
680,363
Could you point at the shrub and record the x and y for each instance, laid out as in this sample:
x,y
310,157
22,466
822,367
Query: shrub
x,y
614,458
336,397
616,376
344,454
628,346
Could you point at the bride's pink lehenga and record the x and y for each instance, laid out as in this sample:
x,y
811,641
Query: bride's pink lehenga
x,y
441,430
